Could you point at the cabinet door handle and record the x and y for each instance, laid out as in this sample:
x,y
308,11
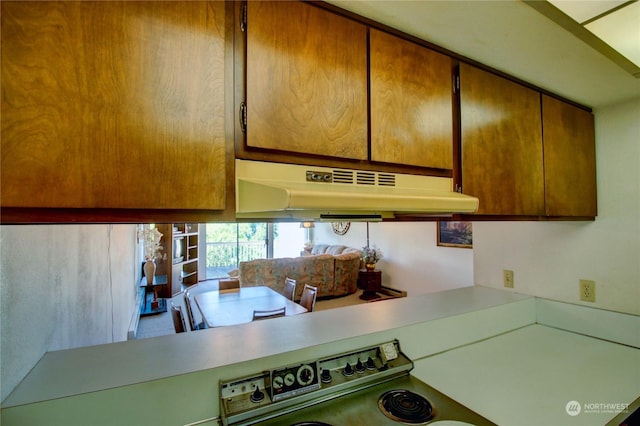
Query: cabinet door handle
x,y
243,17
243,117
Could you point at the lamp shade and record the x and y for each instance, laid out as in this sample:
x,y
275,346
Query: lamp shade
x,y
306,225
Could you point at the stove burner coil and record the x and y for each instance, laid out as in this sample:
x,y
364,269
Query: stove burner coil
x,y
405,406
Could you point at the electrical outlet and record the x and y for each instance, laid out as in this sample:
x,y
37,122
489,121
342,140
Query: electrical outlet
x,y
507,276
587,291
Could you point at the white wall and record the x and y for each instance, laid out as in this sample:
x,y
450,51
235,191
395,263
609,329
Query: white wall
x,y
62,286
412,261
548,258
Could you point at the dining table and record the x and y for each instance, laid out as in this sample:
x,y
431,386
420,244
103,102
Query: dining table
x,y
231,307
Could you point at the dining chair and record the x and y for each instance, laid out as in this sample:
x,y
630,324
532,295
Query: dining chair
x,y
266,314
178,319
289,288
229,284
308,298
187,303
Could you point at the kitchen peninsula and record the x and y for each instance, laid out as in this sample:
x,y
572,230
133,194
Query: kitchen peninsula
x,y
110,382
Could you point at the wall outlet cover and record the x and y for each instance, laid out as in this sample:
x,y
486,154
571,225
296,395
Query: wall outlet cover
x,y
587,290
507,276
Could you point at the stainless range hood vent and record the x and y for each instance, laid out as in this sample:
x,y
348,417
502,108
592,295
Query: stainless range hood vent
x,y
274,190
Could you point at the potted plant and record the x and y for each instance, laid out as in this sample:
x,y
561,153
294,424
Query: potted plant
x,y
371,256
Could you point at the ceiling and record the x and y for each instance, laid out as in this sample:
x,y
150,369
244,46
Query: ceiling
x,y
511,36
616,22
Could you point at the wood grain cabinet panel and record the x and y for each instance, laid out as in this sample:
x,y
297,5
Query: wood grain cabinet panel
x,y
501,144
411,103
569,159
306,80
113,104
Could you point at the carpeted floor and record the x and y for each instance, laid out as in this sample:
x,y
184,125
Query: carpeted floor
x,y
161,324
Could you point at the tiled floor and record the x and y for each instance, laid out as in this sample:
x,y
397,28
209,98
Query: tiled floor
x,y
162,324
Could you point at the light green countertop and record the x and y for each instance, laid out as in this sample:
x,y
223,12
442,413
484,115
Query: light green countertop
x,y
529,376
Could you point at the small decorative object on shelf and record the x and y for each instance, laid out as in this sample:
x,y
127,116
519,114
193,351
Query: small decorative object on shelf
x,y
149,270
371,256
308,228
150,237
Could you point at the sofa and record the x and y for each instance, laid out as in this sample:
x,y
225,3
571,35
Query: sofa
x,y
331,268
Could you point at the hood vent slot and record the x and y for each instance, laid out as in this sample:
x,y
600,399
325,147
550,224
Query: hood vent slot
x,y
366,178
386,179
343,176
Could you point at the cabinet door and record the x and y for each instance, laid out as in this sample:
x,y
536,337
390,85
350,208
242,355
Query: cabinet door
x,y
569,159
411,103
113,104
306,80
176,280
501,137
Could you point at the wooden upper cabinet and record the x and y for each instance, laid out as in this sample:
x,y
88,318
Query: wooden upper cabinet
x,y
411,103
501,144
306,80
569,159
113,104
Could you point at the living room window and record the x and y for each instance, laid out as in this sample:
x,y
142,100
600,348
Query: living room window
x,y
227,244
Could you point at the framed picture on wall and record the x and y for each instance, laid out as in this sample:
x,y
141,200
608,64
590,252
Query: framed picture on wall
x,y
455,234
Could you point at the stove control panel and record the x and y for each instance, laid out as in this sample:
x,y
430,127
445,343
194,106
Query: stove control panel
x,y
262,395
294,380
244,394
353,369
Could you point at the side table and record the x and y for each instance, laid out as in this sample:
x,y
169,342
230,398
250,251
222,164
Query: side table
x,y
151,303
370,282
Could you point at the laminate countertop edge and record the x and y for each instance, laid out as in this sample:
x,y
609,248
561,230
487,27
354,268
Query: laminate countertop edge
x,y
78,371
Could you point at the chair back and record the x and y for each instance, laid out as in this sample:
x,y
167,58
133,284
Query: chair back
x,y
178,319
266,314
289,288
308,299
187,304
228,284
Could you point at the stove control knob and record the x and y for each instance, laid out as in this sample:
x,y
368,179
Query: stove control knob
x,y
371,365
359,366
257,395
347,370
325,376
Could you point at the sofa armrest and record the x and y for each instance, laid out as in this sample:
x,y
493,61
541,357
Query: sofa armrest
x,y
346,273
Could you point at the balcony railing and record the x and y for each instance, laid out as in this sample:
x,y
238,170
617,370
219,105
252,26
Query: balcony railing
x,y
223,257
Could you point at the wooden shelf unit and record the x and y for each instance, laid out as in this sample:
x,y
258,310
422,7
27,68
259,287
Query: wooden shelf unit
x,y
180,242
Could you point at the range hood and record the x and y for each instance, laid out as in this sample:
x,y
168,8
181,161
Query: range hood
x,y
275,190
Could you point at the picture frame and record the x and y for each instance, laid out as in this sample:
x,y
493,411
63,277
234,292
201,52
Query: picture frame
x,y
455,234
